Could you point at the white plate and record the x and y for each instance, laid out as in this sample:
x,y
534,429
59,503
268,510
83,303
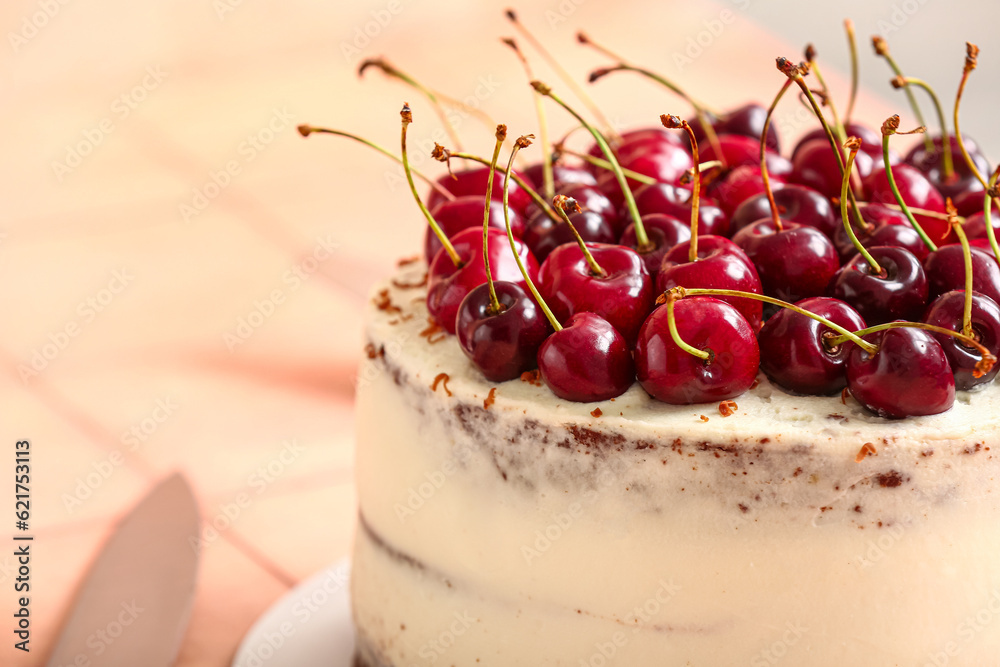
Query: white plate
x,y
309,627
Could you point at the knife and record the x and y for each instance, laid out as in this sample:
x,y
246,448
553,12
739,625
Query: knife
x,y
134,603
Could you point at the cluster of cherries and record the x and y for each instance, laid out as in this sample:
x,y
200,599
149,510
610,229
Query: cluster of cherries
x,y
689,269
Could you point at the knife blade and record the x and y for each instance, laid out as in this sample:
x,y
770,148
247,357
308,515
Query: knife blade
x,y
135,601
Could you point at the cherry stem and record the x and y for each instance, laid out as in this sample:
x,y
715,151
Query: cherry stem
x,y
672,123
947,164
306,130
967,257
844,333
763,155
564,75
442,154
501,135
548,182
522,142
407,117
672,326
854,145
642,240
984,365
916,211
988,214
882,49
699,109
838,127
604,164
566,205
391,70
971,59
889,128
852,44
797,73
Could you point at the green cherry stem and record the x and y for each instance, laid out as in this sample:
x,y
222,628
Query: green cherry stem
x,y
763,155
548,182
854,145
501,135
838,127
967,257
882,49
306,130
564,75
983,367
566,205
947,163
699,110
889,128
672,326
382,64
442,154
604,164
844,334
991,194
672,123
852,45
642,240
407,117
522,142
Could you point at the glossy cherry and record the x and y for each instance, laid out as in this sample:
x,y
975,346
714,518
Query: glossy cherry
x,y
945,269
947,311
975,224
671,374
796,203
675,201
794,262
562,175
473,182
742,183
747,120
465,212
502,344
930,164
623,296
587,360
795,352
871,141
917,192
448,285
908,376
900,294
815,165
664,232
545,235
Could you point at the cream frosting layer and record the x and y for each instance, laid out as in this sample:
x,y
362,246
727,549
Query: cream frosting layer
x,y
650,536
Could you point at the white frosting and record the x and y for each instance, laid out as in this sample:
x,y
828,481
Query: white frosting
x,y
655,536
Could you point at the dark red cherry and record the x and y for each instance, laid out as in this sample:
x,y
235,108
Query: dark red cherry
x,y
623,295
876,217
637,141
796,203
464,212
945,269
908,376
740,184
917,192
795,353
675,201
473,182
448,285
747,120
796,262
545,235
721,264
666,164
947,311
871,141
590,198
664,232
975,224
814,165
931,164
503,344
562,175
672,375
587,360
969,203
901,294
739,150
